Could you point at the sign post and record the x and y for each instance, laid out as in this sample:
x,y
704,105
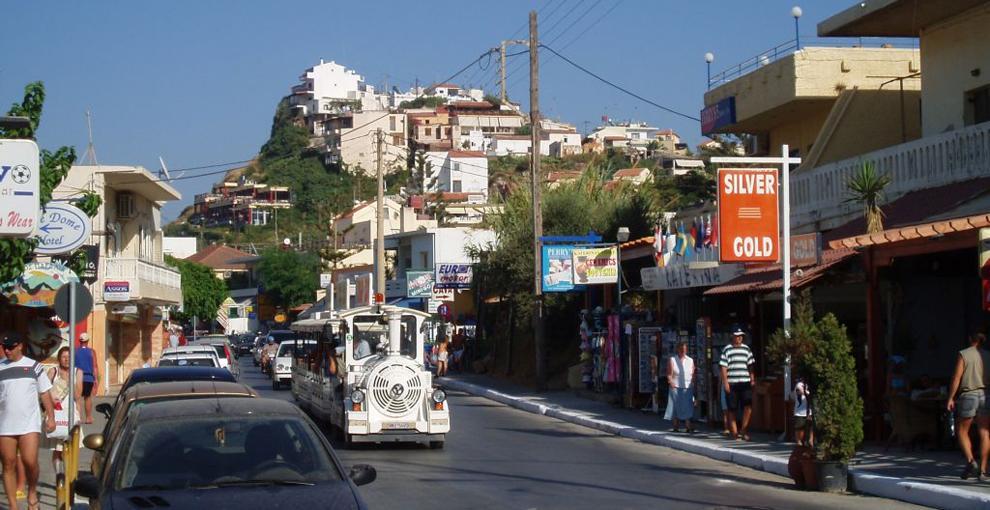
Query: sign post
x,y
785,161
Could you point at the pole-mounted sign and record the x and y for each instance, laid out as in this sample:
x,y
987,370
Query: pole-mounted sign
x,y
64,227
748,215
19,188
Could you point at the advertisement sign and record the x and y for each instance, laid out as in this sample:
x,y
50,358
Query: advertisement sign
x,y
649,338
594,266
124,309
419,284
682,276
439,294
806,249
749,222
718,115
558,268
116,291
433,305
362,293
19,185
37,285
325,280
984,249
454,276
63,228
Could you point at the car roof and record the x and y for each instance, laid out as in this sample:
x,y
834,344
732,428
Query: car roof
x,y
189,355
282,332
189,348
187,388
165,374
223,407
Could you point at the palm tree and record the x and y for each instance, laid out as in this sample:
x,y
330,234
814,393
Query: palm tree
x,y
866,187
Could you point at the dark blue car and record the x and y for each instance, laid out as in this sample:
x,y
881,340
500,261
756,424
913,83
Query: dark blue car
x,y
243,453
177,373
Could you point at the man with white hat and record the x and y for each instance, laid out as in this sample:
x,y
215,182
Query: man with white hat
x,y
87,361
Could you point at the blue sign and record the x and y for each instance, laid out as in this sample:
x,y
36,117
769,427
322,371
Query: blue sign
x,y
444,310
558,273
718,115
63,228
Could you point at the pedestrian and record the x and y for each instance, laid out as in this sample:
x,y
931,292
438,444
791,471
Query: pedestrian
x,y
59,376
88,362
442,355
680,377
21,492
803,431
969,391
738,380
22,381
173,338
457,346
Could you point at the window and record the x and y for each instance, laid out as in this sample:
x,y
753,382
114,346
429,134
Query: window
x,y
456,187
391,123
234,312
977,106
429,131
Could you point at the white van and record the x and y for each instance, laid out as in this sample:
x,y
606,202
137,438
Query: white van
x,y
288,352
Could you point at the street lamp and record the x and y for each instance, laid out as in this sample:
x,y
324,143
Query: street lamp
x,y
796,12
709,58
622,235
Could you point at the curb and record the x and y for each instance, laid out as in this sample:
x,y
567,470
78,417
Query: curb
x,y
862,481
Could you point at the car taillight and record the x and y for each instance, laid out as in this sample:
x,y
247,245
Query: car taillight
x,y
226,351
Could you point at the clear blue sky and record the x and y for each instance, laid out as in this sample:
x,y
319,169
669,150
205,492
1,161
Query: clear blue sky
x,y
197,81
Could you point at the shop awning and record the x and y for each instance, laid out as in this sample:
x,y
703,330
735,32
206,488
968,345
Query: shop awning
x,y
933,229
769,278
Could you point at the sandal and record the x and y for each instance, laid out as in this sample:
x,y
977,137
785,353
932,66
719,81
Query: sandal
x,y
745,437
34,506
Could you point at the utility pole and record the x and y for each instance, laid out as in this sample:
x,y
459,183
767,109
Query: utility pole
x,y
536,181
502,93
380,216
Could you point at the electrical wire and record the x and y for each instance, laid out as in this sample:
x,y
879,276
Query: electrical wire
x,y
618,87
592,25
575,22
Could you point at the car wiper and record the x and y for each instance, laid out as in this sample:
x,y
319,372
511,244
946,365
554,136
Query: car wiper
x,y
250,483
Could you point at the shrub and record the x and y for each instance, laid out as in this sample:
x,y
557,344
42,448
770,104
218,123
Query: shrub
x,y
838,408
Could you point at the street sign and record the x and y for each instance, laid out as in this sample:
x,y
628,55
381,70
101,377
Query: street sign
x,y
63,228
683,276
325,279
748,216
432,305
116,291
83,303
443,310
20,177
439,294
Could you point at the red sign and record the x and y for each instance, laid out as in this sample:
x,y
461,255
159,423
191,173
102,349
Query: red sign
x,y
748,216
806,249
986,295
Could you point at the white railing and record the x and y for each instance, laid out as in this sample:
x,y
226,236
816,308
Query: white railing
x,y
140,272
818,194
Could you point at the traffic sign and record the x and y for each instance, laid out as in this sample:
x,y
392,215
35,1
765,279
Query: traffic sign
x,y
20,176
64,227
748,216
83,303
443,310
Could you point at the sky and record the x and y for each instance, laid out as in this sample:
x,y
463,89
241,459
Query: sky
x,y
196,82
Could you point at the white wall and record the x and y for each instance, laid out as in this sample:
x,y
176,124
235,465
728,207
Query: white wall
x,y
472,172
179,247
332,80
451,243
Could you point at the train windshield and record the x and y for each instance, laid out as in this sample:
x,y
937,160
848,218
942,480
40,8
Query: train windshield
x,y
371,336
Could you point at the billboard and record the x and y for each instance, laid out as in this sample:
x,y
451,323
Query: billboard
x,y
558,268
748,216
453,276
718,115
419,284
593,266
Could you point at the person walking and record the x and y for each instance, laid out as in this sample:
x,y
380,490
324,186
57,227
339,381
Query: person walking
x,y
22,381
738,380
88,362
443,353
804,433
970,403
680,377
59,376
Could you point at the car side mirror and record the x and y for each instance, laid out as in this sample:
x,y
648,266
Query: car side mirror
x,y
105,409
87,486
93,441
363,474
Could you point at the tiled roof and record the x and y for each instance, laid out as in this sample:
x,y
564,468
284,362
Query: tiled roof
x,y
466,154
353,210
563,176
218,256
630,172
768,278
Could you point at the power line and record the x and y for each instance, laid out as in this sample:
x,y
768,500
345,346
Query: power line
x,y
575,22
549,16
592,25
618,87
561,20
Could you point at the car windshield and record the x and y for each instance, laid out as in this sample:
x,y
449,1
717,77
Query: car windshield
x,y
370,335
295,349
187,362
219,451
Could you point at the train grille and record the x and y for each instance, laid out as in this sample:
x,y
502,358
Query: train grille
x,y
396,390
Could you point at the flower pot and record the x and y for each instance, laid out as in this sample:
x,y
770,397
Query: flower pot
x,y
795,466
832,476
809,469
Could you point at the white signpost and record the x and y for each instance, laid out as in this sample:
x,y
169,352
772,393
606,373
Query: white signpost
x,y
19,188
63,228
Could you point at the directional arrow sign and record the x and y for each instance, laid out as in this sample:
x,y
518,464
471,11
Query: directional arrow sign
x,y
63,228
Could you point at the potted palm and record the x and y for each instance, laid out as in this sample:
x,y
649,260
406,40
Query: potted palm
x,y
866,187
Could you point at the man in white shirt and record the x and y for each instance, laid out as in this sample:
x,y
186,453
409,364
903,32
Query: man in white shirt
x,y
22,381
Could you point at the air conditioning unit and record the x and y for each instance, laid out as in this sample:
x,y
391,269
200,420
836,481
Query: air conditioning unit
x,y
125,205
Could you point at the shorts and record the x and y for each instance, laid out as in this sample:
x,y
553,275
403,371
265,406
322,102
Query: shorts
x,y
802,423
740,396
442,357
87,389
971,404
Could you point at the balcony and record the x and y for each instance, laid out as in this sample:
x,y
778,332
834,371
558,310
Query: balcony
x,y
149,282
818,194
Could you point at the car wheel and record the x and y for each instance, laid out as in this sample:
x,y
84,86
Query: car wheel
x,y
436,445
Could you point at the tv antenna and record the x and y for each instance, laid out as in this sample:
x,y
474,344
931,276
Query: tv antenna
x,y
90,157
163,173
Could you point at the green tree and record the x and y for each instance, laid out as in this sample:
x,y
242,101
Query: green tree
x,y
14,253
202,291
866,187
524,130
835,398
494,100
287,138
422,102
289,277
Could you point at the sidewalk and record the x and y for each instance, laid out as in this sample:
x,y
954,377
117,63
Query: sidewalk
x,y
921,477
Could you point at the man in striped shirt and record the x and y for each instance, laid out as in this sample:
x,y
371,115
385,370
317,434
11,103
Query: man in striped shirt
x,y
738,380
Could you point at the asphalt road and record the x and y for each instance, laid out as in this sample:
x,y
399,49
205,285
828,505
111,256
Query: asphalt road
x,y
500,457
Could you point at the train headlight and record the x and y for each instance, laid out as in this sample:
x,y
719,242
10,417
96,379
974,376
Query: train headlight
x,y
282,368
439,395
357,396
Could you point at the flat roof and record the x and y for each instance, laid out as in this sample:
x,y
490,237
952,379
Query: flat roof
x,y
892,18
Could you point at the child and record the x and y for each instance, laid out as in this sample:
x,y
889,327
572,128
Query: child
x,y
802,415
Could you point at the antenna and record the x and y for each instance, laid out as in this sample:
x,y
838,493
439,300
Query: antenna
x,y
90,157
164,170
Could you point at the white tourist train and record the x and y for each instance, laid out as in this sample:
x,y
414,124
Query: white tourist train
x,y
367,379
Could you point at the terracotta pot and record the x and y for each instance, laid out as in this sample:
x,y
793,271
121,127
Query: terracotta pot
x,y
809,467
794,468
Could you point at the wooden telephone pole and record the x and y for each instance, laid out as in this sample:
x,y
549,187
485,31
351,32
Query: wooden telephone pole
x,y
536,181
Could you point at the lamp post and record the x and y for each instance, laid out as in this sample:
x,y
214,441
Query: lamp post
x,y
796,12
621,236
709,58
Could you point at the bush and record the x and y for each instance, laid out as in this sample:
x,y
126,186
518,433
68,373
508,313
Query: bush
x,y
838,408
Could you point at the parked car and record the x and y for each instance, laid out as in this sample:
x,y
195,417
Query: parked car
x,y
144,394
207,350
193,359
157,375
288,352
225,354
243,453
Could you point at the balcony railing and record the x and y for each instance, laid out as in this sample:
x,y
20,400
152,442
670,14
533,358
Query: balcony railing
x,y
148,281
818,194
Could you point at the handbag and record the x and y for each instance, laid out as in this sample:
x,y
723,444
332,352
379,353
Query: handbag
x,y
62,427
